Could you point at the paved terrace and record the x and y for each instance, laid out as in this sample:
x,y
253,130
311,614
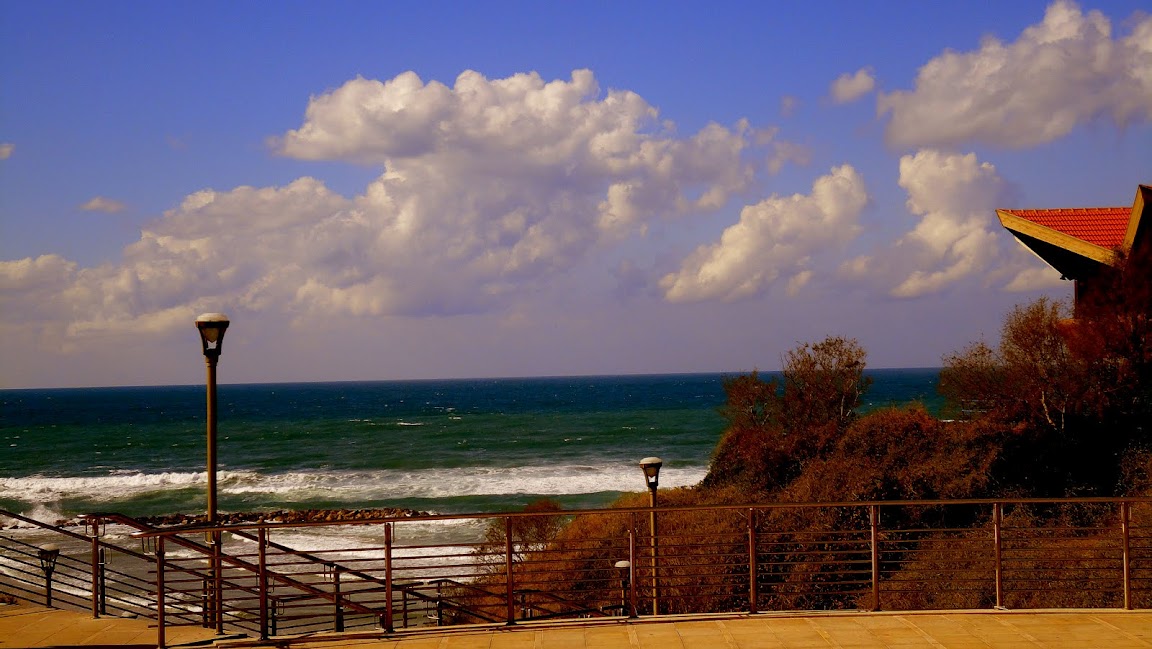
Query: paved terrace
x,y
35,626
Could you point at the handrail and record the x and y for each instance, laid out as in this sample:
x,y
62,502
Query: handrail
x,y
147,531
43,525
359,574
451,603
906,554
271,525
382,583
104,593
558,600
186,543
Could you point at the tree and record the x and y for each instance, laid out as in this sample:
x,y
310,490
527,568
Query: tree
x,y
774,427
1077,392
972,382
823,385
751,402
750,454
1032,378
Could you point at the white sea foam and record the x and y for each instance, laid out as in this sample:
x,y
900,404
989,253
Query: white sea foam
x,y
42,512
115,486
362,547
357,537
354,486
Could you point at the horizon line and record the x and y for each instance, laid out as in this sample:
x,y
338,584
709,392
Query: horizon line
x,y
463,378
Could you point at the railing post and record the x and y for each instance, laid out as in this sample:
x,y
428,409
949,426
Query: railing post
x,y
389,625
510,586
404,609
632,569
97,567
753,592
218,581
160,640
262,579
273,617
439,604
1127,556
997,514
874,524
338,614
104,557
206,597
94,528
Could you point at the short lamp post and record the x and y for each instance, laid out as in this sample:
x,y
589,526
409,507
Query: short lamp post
x,y
48,555
651,467
212,327
625,567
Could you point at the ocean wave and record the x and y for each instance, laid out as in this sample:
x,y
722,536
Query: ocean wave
x,y
352,486
116,485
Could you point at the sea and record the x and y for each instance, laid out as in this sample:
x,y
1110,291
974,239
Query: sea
x,y
440,446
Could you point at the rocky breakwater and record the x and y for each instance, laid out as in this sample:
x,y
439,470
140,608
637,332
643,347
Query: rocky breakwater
x,y
276,516
284,516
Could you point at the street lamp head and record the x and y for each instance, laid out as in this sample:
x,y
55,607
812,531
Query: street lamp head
x,y
48,553
212,327
651,468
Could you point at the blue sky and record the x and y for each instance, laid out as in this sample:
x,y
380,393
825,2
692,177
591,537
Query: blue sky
x,y
417,190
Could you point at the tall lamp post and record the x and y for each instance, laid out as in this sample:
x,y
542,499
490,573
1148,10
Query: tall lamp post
x,y
651,467
212,327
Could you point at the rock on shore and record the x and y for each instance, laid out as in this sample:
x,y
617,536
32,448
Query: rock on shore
x,y
285,516
276,516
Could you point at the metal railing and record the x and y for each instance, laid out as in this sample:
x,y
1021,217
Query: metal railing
x,y
90,573
394,573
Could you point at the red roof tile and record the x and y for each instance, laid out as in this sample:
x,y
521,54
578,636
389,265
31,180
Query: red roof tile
x,y
1102,226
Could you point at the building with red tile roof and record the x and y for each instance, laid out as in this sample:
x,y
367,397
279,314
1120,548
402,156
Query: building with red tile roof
x,y
1081,242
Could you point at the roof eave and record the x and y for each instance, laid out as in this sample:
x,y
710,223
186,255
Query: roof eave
x,y
1018,225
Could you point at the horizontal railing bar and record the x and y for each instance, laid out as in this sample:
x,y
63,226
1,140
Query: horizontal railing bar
x,y
629,510
827,568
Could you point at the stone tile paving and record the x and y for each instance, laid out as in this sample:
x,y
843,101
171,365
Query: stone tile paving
x,y
32,626
26,626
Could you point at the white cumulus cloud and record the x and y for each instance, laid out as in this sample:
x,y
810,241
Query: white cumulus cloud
x,y
103,204
24,284
849,87
1067,70
1035,277
488,188
773,238
956,197
33,273
956,235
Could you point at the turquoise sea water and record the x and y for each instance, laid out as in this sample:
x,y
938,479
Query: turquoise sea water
x,y
442,446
